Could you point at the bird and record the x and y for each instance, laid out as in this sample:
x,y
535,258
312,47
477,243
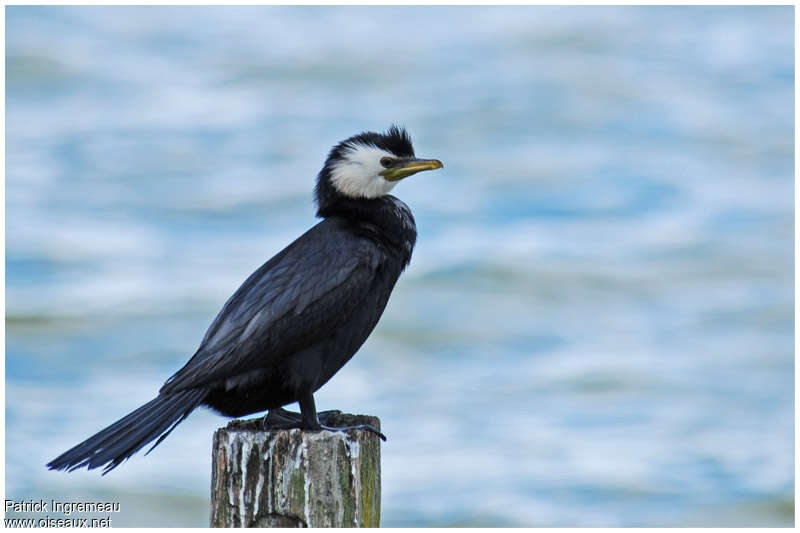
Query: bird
x,y
297,319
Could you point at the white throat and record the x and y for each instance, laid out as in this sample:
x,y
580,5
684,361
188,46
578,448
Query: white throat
x,y
357,174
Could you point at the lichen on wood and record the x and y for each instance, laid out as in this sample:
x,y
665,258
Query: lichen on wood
x,y
294,478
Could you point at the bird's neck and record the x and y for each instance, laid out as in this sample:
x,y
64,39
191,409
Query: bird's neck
x,y
386,219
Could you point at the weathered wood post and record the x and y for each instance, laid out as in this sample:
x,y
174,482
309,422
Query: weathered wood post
x,y
294,478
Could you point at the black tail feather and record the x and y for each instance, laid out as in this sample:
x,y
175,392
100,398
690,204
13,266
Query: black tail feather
x,y
114,444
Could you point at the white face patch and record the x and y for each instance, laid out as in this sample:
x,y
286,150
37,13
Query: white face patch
x,y
358,174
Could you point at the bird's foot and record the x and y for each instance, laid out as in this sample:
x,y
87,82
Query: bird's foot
x,y
282,419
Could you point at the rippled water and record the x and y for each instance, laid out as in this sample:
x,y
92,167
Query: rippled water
x,y
596,327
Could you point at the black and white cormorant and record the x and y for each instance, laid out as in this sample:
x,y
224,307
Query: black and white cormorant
x,y
300,317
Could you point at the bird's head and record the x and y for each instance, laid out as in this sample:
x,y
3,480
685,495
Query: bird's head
x,y
367,166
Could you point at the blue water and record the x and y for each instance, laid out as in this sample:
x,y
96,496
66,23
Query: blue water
x,y
596,328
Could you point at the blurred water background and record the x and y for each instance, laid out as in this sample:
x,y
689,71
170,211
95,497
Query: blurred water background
x,y
596,328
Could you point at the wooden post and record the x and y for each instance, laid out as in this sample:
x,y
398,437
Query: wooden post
x,y
294,478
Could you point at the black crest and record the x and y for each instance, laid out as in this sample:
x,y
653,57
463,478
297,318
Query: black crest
x,y
395,140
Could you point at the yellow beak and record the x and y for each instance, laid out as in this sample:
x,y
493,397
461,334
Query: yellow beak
x,y
409,167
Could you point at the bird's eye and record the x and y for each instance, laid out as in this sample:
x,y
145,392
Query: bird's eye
x,y
386,161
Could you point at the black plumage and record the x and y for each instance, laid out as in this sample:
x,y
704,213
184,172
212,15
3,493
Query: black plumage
x,y
298,318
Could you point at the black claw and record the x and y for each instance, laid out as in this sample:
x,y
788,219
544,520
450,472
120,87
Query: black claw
x,y
282,419
326,417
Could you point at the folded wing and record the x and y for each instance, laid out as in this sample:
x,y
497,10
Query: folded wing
x,y
291,302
